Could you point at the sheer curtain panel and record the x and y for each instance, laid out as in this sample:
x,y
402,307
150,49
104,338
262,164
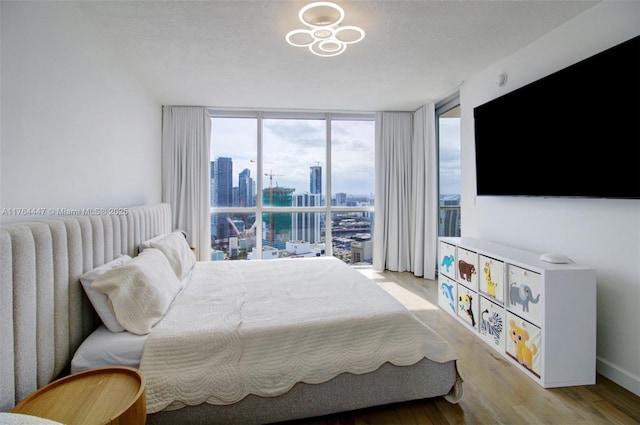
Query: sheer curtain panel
x,y
185,173
405,226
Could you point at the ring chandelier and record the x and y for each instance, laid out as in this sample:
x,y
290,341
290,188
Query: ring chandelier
x,y
325,37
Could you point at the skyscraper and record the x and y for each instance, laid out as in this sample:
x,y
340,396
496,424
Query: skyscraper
x,y
306,226
277,226
221,195
315,179
222,182
246,188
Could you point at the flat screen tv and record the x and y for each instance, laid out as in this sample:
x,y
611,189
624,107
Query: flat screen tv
x,y
574,133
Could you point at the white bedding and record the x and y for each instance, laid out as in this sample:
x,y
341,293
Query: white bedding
x,y
259,327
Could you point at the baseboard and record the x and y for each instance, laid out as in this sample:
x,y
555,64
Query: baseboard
x,y
622,377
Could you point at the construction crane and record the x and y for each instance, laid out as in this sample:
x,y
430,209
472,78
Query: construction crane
x,y
271,176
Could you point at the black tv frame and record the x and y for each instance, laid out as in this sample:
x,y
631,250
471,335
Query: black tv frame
x,y
573,133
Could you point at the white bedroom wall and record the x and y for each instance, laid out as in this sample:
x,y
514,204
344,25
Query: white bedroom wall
x,y
600,233
77,129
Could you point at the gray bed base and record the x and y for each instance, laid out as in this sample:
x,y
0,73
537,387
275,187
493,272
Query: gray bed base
x,y
346,392
45,316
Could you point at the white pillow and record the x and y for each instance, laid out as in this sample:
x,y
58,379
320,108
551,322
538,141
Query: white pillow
x,y
103,348
147,244
175,247
140,291
100,301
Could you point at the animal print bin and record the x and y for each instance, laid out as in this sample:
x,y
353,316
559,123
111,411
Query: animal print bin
x,y
447,260
493,323
468,306
467,268
447,295
523,343
524,294
491,278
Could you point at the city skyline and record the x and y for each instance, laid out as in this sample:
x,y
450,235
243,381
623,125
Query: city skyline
x,y
292,146
246,189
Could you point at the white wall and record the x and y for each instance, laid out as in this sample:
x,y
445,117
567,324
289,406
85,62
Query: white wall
x,y
77,129
600,233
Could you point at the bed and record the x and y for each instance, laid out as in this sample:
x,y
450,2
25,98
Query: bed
x,y
276,339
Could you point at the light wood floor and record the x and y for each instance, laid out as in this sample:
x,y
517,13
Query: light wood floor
x,y
495,391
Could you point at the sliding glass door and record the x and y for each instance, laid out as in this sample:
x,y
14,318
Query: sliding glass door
x,y
448,133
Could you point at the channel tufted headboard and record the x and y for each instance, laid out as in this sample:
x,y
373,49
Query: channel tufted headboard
x,y
44,313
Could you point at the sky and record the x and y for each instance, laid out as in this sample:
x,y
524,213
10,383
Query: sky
x,y
449,156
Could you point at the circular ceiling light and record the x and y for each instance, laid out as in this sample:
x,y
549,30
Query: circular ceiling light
x,y
325,37
327,48
349,34
321,14
300,38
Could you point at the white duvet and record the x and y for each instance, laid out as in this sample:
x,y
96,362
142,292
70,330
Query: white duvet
x,y
259,327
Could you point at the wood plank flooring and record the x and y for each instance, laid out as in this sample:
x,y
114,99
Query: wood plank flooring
x,y
495,391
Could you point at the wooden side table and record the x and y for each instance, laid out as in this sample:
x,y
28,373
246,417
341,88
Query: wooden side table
x,y
109,395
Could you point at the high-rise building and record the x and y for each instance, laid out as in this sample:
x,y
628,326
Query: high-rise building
x,y
246,189
315,179
277,226
306,226
449,216
222,182
221,195
341,199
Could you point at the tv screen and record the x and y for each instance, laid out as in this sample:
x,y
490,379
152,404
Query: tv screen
x,y
574,133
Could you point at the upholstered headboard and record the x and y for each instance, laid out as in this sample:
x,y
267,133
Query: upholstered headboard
x,y
44,313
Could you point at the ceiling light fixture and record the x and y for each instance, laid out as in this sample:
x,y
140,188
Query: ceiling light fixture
x,y
325,37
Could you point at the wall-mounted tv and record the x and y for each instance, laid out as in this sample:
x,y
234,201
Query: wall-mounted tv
x,y
573,133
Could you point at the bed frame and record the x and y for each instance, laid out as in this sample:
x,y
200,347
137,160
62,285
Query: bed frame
x,y
45,316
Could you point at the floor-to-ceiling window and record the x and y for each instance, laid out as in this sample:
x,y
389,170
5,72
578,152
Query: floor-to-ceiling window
x,y
448,133
291,185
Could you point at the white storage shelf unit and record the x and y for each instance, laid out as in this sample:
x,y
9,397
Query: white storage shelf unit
x,y
540,316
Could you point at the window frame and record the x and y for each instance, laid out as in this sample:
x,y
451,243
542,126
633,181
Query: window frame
x,y
442,108
328,209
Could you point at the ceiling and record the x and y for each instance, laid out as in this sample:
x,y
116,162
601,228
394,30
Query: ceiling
x,y
233,54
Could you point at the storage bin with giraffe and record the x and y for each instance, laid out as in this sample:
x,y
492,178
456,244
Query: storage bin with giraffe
x,y
491,278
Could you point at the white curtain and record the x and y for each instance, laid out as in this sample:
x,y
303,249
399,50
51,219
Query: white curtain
x,y
394,137
405,225
424,208
185,173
